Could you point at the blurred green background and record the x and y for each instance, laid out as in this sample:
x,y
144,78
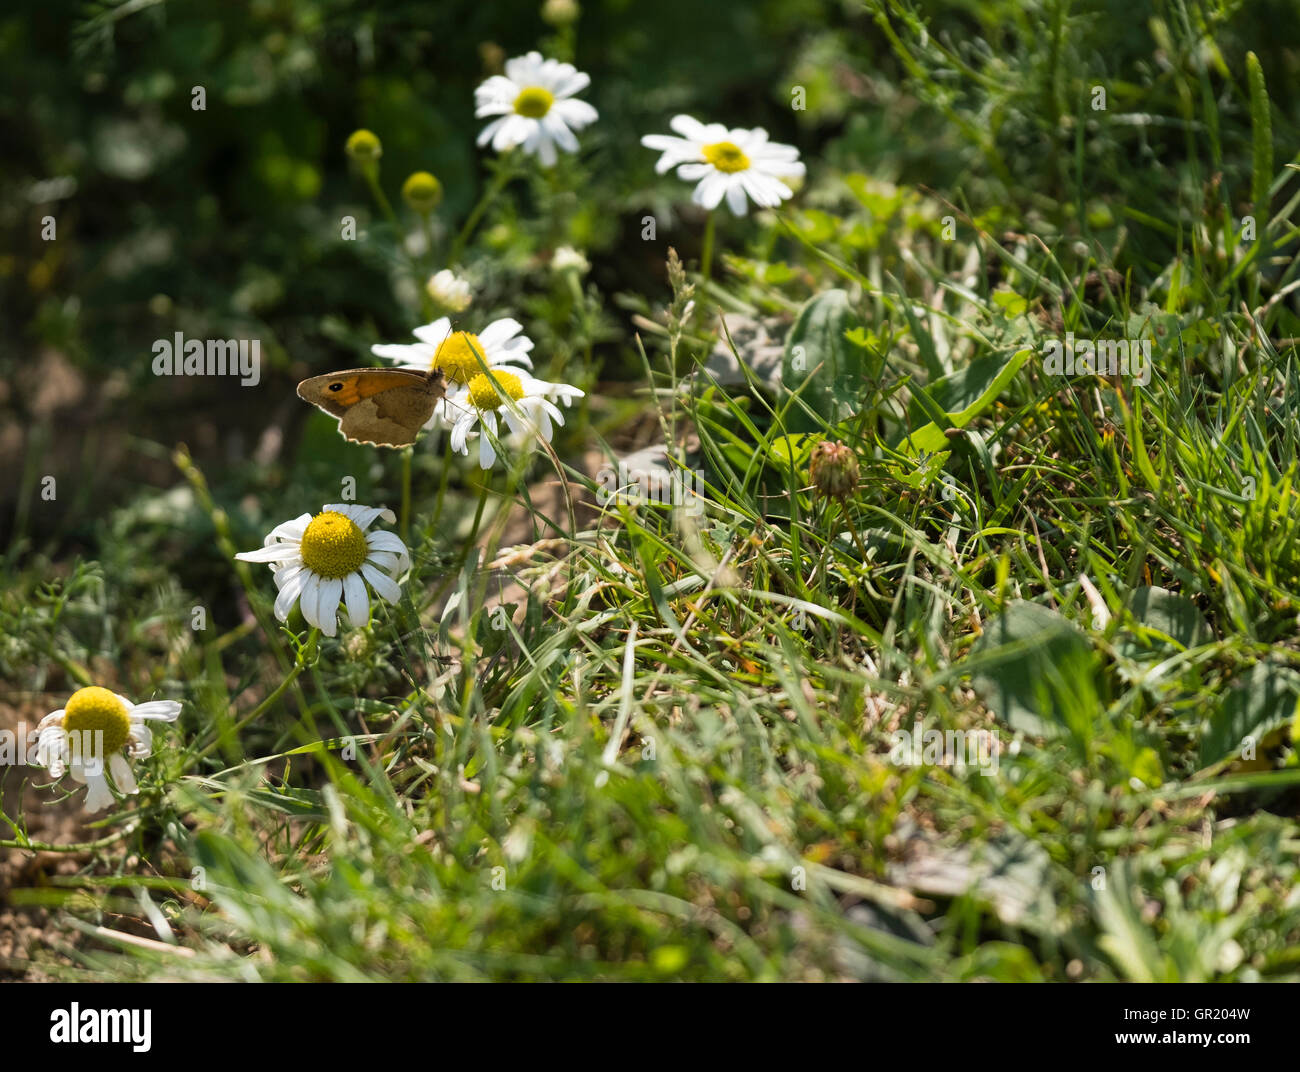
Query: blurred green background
x,y
226,222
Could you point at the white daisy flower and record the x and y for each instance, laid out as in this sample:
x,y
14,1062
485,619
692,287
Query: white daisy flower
x,y
97,725
449,291
529,418
735,164
534,100
327,560
500,343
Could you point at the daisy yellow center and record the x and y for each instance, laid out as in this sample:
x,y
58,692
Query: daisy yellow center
x,y
484,395
96,710
333,546
456,358
534,102
725,156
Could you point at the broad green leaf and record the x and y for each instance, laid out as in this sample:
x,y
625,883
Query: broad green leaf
x,y
1173,616
1261,702
1010,302
957,390
931,438
820,359
790,453
1034,669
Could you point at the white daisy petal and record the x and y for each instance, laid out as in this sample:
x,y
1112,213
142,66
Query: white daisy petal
x,y
736,200
689,127
572,82
98,794
513,130
279,552
385,541
461,429
290,530
692,172
327,607
499,332
356,599
420,356
710,191
52,750
555,127
385,587
541,145
434,334
576,113
122,776
488,133
386,561
487,453
54,718
140,743
310,598
290,591
363,516
159,710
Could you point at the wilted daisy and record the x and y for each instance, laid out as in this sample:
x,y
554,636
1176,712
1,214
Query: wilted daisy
x,y
449,290
735,164
482,402
500,343
534,100
327,560
96,727
568,259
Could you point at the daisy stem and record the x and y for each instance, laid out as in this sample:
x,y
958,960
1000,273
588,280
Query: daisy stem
x,y
504,174
484,488
442,488
848,520
372,180
306,654
421,273
404,524
706,254
80,846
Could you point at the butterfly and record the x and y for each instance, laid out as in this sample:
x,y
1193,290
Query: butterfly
x,y
386,407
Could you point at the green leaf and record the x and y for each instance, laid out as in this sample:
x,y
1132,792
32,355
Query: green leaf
x,y
1034,669
1010,302
790,453
922,471
302,803
1174,617
820,359
1261,131
1125,937
1261,702
931,438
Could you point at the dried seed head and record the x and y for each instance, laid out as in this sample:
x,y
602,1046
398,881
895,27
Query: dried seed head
x,y
833,469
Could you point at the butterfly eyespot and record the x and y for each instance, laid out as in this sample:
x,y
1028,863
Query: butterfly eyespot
x,y
336,386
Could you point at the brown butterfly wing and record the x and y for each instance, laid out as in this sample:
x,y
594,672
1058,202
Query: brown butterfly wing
x,y
384,407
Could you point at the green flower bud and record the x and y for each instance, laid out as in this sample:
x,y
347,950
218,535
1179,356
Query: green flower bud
x,y
364,147
422,192
560,12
